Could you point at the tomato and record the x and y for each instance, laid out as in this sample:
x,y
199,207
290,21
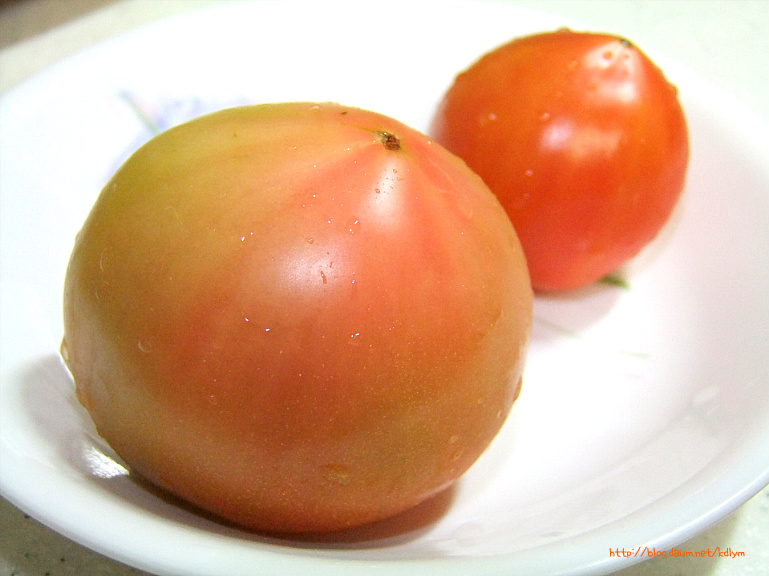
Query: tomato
x,y
298,317
581,138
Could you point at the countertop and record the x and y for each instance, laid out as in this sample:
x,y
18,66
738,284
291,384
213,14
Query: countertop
x,y
725,41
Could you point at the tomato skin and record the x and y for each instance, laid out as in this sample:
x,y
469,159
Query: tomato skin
x,y
581,138
274,314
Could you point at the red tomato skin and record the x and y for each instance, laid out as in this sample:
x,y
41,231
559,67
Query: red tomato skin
x,y
280,320
582,139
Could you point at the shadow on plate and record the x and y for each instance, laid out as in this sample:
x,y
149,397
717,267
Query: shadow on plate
x,y
570,313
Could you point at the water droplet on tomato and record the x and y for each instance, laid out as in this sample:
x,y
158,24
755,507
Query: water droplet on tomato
x,y
217,344
102,257
83,396
336,473
63,350
465,205
353,225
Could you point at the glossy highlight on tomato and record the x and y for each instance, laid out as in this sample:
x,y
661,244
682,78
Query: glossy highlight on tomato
x,y
582,139
299,317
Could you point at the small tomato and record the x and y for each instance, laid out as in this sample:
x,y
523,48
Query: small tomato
x,y
583,141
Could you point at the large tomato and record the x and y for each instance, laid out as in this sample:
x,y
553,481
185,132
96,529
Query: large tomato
x,y
582,139
300,317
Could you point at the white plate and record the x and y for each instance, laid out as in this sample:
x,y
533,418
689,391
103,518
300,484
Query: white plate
x,y
645,412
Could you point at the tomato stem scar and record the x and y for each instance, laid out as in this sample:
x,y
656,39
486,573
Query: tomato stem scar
x,y
390,141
